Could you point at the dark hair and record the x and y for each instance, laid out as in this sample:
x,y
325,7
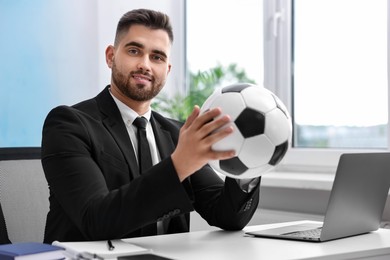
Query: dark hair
x,y
149,18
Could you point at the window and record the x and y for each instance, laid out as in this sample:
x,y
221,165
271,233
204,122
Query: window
x,y
340,74
329,64
224,33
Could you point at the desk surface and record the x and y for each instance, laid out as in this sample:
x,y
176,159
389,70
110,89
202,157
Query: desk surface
x,y
216,245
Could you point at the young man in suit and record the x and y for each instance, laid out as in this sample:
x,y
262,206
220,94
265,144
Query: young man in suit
x,y
89,152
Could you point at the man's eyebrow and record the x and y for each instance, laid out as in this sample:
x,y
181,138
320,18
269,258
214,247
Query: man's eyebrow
x,y
161,53
140,45
136,44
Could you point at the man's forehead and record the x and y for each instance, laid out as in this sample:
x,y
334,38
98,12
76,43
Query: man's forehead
x,y
147,37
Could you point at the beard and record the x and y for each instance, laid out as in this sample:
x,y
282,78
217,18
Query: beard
x,y
136,92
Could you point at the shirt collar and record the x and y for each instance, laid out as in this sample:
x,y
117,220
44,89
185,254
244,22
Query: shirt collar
x,y
128,114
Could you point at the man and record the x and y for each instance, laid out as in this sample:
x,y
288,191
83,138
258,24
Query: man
x,y
89,152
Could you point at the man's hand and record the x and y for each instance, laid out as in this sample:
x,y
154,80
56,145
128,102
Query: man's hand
x,y
196,137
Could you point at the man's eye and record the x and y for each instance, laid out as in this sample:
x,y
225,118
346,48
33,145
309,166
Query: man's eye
x,y
133,51
158,58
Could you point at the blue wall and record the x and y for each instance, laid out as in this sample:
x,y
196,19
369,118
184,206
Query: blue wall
x,y
46,49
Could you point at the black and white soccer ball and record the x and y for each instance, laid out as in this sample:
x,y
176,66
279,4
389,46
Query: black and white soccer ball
x,y
262,129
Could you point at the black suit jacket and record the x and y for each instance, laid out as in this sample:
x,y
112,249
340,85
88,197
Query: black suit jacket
x,y
95,189
3,229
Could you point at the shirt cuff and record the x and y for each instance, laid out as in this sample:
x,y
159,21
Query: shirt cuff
x,y
247,185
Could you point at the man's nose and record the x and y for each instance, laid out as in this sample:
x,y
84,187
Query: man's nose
x,y
144,63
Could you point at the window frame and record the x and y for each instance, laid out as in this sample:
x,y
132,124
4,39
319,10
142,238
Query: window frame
x,y
20,153
278,71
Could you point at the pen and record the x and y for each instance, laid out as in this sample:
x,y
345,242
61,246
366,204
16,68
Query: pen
x,y
110,245
87,256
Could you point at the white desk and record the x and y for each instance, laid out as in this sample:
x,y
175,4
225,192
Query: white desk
x,y
223,245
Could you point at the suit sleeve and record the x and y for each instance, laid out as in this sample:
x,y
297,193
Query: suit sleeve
x,y
223,203
71,150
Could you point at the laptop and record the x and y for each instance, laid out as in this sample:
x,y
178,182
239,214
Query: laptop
x,y
355,205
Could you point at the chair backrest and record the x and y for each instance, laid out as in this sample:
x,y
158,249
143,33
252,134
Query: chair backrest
x,y
24,197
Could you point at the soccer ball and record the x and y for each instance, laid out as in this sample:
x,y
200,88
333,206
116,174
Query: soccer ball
x,y
262,130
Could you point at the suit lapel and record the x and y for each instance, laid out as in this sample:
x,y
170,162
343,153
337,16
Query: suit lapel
x,y
113,121
163,139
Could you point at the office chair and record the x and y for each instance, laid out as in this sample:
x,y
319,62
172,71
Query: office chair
x,y
24,194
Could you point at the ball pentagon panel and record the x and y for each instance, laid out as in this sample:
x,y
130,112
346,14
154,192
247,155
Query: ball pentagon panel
x,y
250,122
236,87
233,166
255,172
280,151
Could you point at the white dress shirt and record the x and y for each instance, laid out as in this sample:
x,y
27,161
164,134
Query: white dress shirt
x,y
128,116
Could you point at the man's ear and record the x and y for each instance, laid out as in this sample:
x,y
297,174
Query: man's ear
x,y
110,55
169,68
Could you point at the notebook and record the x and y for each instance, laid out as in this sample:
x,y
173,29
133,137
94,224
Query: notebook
x,y
100,249
355,205
30,251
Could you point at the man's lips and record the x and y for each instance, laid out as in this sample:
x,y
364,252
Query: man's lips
x,y
141,77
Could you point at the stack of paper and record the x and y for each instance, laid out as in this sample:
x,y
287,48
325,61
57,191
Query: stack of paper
x,y
99,249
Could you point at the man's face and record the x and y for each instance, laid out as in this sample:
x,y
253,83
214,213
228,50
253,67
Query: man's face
x,y
140,62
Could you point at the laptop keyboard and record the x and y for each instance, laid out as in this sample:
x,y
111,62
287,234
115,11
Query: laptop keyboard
x,y
311,233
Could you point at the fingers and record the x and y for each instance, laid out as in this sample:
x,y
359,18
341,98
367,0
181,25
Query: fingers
x,y
197,136
198,120
217,125
208,125
216,136
209,116
192,116
213,127
222,155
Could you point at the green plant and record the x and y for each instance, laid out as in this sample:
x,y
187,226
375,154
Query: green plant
x,y
202,85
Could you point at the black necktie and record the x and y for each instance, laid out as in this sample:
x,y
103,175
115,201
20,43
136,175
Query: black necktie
x,y
144,156
144,162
